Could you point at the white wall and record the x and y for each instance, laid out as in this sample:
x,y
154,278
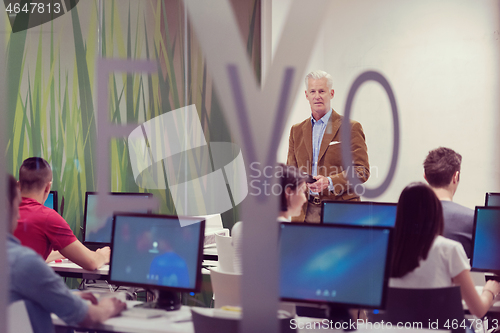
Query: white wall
x,y
441,58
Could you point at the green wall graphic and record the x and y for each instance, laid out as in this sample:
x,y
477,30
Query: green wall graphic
x,y
51,97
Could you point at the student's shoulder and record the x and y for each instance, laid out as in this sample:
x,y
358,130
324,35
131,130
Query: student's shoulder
x,y
448,246
456,208
23,258
52,215
442,241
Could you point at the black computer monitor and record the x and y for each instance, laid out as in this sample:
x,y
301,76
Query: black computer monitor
x,y
97,231
492,199
486,240
156,252
339,265
360,213
52,200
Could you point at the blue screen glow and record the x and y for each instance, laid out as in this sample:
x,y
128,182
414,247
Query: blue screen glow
x,y
336,264
360,213
486,251
98,230
50,201
157,251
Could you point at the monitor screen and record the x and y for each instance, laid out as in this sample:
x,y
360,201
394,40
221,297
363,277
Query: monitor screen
x,y
486,247
360,213
51,201
492,199
154,251
335,264
98,230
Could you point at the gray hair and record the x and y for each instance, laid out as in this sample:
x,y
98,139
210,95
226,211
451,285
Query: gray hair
x,y
319,74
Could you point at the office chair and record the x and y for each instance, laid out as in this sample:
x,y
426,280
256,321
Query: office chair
x,y
423,306
225,251
210,321
226,288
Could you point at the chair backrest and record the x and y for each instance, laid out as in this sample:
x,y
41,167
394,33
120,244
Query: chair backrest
x,y
207,321
426,306
226,288
225,251
18,319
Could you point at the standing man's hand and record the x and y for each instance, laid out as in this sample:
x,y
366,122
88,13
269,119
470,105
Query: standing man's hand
x,y
319,185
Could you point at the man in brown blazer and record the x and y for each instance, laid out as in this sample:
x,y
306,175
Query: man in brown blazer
x,y
315,148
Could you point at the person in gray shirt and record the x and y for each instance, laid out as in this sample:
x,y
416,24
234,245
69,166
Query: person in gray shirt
x,y
442,172
42,290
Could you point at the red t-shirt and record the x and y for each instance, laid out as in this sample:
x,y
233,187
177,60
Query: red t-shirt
x,y
42,228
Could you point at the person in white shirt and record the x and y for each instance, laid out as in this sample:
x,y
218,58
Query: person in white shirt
x,y
423,258
293,197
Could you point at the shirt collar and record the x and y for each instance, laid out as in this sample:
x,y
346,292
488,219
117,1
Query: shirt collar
x,y
27,201
323,119
12,238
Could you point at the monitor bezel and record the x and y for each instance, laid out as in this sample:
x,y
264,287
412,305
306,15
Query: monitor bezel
x,y
472,268
198,281
487,198
55,200
387,269
84,226
325,202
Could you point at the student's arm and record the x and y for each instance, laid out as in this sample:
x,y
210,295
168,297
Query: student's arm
x,y
105,309
82,256
54,255
478,304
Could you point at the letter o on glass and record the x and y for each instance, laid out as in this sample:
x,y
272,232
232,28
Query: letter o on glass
x,y
346,135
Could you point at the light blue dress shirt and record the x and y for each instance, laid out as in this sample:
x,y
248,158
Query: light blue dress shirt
x,y
318,130
42,290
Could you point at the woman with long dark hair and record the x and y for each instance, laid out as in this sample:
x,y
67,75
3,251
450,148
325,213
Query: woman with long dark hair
x,y
422,258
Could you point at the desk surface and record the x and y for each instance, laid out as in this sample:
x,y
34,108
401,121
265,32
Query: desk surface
x,y
170,322
495,308
179,322
70,269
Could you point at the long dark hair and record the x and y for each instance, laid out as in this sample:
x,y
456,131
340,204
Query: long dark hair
x,y
419,219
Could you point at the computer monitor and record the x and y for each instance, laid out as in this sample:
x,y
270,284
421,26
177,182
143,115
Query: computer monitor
x,y
362,213
51,201
486,240
492,199
97,231
339,265
156,252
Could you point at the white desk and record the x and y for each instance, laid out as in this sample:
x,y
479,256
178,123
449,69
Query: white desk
x,y
495,308
174,322
164,324
70,269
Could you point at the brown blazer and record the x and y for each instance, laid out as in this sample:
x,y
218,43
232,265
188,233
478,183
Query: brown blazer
x,y
330,157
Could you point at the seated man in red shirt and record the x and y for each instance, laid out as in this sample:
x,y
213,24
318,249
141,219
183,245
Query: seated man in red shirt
x,y
42,228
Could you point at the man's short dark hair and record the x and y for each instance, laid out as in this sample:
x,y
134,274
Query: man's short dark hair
x,y
440,166
34,174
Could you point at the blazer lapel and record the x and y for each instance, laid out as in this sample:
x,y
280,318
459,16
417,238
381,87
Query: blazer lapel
x,y
307,137
331,130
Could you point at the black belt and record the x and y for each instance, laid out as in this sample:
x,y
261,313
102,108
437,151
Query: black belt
x,y
315,200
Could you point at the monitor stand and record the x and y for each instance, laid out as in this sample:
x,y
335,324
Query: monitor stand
x,y
167,300
339,314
